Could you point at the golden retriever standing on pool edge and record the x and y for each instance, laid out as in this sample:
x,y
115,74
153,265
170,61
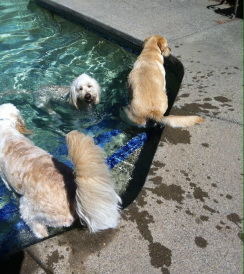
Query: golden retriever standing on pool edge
x,y
147,88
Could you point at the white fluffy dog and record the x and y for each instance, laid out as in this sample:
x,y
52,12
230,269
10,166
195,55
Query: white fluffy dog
x,y
82,92
52,195
84,89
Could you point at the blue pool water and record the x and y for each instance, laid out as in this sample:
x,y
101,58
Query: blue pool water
x,y
39,51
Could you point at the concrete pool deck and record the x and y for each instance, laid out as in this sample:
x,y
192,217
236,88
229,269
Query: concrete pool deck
x,y
188,217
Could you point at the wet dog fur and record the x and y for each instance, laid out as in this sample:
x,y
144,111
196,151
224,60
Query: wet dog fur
x,y
147,88
52,194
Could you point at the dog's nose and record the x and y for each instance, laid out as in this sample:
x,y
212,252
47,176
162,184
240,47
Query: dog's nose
x,y
88,96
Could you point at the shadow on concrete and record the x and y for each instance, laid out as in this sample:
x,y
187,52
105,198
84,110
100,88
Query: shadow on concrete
x,y
235,9
12,264
174,76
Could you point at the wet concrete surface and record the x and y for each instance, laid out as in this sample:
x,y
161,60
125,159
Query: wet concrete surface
x,y
188,216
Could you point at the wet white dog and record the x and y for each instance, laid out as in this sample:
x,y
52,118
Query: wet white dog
x,y
51,194
83,91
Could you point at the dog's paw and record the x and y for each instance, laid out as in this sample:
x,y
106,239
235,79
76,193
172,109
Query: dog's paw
x,y
39,230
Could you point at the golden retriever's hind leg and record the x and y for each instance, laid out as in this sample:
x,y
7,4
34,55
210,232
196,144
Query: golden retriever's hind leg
x,y
141,122
130,118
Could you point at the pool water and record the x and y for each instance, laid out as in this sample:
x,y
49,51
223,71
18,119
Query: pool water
x,y
40,51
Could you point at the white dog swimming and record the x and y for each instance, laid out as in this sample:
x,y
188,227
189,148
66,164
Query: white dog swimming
x,y
83,92
51,194
84,89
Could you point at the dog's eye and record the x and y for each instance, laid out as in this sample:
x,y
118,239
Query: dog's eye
x,y
89,86
81,88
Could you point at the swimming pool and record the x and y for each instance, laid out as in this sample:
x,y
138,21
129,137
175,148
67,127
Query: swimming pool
x,y
40,49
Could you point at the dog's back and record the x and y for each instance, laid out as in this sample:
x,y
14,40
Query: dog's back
x,y
32,172
146,83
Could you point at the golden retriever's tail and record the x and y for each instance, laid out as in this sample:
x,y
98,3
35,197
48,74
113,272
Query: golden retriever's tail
x,y
96,200
180,121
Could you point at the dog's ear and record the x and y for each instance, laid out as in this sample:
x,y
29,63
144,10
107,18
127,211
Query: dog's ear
x,y
146,40
21,126
97,99
163,45
72,96
98,89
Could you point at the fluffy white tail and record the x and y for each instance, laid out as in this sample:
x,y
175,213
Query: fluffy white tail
x,y
180,121
96,199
